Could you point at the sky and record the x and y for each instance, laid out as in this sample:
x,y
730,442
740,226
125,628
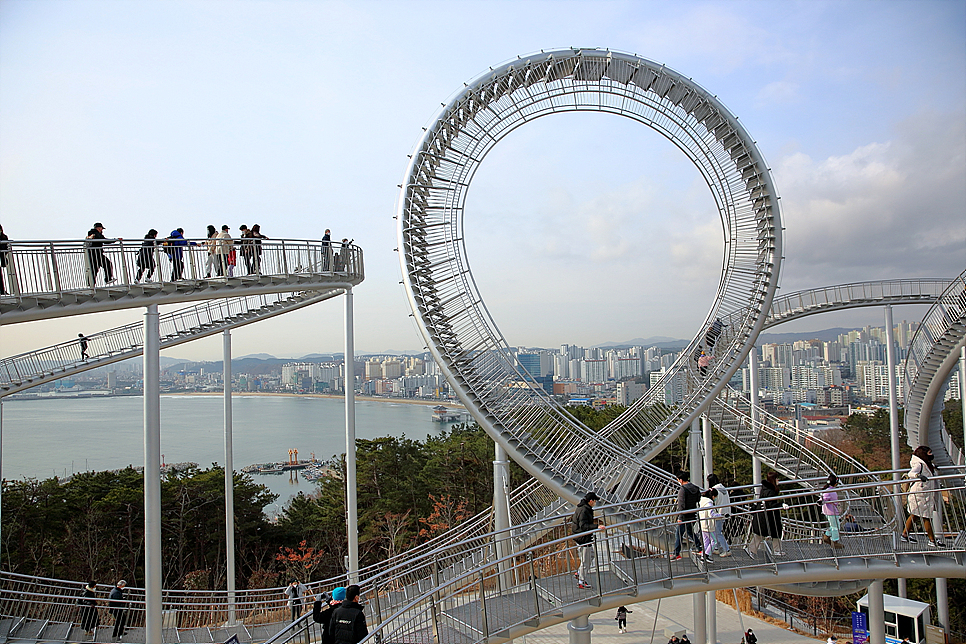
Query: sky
x,y
580,228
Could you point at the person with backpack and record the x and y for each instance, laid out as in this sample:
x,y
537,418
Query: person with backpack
x,y
584,525
348,623
622,619
750,637
688,496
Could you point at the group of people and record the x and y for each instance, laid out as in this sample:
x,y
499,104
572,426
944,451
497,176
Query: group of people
x,y
222,255
340,612
708,511
117,606
704,516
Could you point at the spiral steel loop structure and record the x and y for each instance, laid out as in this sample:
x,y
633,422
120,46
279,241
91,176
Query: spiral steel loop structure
x,y
451,313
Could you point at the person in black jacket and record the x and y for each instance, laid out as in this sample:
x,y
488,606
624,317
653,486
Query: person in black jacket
x,y
767,522
584,526
88,604
323,609
688,497
117,606
348,624
95,254
622,619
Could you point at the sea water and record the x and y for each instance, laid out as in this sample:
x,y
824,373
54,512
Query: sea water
x,y
58,437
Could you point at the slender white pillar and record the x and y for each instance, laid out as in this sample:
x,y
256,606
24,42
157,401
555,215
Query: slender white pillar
x,y
962,399
699,603
699,600
229,483
152,476
712,618
708,460
893,414
876,613
501,512
942,603
352,512
755,401
712,607
580,629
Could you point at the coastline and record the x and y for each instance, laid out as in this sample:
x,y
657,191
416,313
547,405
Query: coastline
x,y
405,401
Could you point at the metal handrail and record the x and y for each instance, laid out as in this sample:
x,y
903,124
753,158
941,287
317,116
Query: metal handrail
x,y
404,590
943,326
176,327
59,268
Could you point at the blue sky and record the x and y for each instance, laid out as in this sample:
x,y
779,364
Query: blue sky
x,y
580,228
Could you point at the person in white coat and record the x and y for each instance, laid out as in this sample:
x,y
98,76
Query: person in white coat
x,y
921,501
711,520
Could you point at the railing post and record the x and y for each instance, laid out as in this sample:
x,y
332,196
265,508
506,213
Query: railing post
x,y
483,624
123,262
533,584
434,601
284,259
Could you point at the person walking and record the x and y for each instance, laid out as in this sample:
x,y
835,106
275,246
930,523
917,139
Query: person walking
x,y
95,254
921,501
750,637
295,592
622,619
145,259
714,331
767,522
82,342
711,520
348,621
4,251
89,619
723,504
830,508
174,246
584,525
257,236
211,245
222,248
117,605
323,609
688,496
326,250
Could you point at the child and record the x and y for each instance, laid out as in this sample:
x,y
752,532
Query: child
x,y
711,521
830,508
622,619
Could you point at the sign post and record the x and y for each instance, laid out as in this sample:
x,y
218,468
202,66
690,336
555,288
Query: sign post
x,y
860,628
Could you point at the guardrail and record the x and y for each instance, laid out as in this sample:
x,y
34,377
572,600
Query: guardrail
x,y
37,268
413,595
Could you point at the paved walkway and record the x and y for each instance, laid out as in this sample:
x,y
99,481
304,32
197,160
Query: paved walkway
x,y
676,615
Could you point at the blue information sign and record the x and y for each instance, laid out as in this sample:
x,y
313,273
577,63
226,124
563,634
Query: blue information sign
x,y
860,628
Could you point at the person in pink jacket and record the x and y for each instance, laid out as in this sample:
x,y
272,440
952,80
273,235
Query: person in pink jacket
x,y
830,508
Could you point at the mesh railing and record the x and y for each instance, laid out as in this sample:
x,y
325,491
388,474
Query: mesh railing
x,y
39,268
450,584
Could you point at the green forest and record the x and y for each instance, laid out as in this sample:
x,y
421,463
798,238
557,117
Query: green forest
x,y
91,527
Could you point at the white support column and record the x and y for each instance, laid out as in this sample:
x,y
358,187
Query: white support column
x,y
962,399
712,618
501,512
580,629
352,512
876,613
942,603
755,401
152,476
712,606
699,600
708,460
893,413
229,482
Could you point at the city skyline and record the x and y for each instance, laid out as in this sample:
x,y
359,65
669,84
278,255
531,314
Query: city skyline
x,y
580,229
